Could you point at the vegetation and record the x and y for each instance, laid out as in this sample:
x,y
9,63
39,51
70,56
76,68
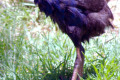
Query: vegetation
x,y
32,48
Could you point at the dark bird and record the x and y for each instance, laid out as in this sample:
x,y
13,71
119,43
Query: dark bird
x,y
80,20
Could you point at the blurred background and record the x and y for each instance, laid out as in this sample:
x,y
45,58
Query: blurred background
x,y
33,48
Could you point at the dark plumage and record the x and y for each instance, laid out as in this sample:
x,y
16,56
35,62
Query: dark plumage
x,y
79,19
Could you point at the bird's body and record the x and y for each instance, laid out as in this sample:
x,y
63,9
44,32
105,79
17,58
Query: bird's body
x,y
79,19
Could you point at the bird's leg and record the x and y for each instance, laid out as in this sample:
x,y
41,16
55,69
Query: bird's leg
x,y
78,66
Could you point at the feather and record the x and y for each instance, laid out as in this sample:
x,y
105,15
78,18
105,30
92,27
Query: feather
x,y
79,18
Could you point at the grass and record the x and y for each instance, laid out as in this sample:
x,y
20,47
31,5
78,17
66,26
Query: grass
x,y
32,48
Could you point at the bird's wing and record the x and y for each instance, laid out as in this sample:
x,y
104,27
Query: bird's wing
x,y
75,17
